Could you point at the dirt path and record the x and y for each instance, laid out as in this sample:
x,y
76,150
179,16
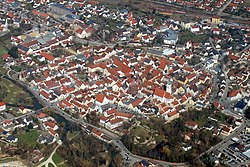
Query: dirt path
x,y
49,160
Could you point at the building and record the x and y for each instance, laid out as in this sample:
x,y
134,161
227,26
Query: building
x,y
216,19
2,106
59,9
170,38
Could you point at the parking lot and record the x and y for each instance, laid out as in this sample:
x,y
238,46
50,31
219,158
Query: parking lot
x,y
235,152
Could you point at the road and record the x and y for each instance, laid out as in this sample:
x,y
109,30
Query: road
x,y
224,7
225,140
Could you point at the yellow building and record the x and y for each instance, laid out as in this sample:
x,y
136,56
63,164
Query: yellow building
x,y
216,19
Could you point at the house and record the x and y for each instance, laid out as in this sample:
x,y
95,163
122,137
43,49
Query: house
x,y
170,37
49,139
7,123
84,33
173,115
194,28
234,94
216,19
51,124
191,125
162,95
186,147
114,123
2,106
226,130
97,133
101,99
12,139
6,57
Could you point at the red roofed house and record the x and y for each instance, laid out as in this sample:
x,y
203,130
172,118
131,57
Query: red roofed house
x,y
234,94
6,56
84,33
47,56
162,95
101,99
114,123
7,123
191,125
226,130
135,104
173,115
2,106
97,133
124,115
50,124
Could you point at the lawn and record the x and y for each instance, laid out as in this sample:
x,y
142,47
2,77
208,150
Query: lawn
x,y
72,134
141,133
188,35
51,165
29,138
58,160
2,51
8,159
13,93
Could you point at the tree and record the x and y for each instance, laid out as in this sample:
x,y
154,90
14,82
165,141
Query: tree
x,y
13,52
247,113
30,126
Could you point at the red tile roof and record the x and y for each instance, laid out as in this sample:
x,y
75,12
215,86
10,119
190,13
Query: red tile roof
x,y
233,93
100,97
172,113
2,104
159,92
47,56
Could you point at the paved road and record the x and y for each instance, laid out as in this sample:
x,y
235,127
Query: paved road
x,y
225,140
224,7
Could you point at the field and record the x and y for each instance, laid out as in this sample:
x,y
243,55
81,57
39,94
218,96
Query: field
x,y
58,160
29,138
140,133
11,93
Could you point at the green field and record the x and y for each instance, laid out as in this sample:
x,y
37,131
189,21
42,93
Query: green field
x,y
50,165
10,93
29,138
188,35
8,159
58,160
2,51
141,133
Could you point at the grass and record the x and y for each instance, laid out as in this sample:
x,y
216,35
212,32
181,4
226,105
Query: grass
x,y
29,138
188,35
58,160
140,132
2,51
72,134
13,93
50,165
7,159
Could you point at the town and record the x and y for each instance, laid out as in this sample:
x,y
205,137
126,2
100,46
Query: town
x,y
144,85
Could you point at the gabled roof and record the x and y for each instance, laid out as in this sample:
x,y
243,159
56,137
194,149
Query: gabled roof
x,y
47,56
100,98
2,104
